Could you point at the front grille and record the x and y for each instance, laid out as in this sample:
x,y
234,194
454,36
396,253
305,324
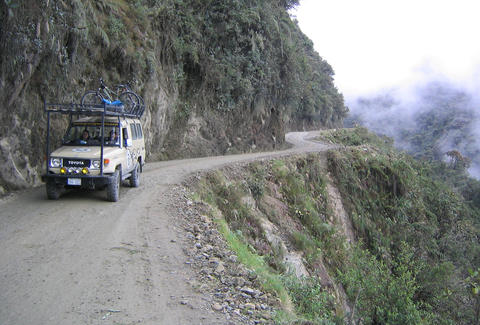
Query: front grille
x,y
76,162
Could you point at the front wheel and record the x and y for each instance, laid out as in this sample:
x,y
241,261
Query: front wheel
x,y
53,190
113,188
91,97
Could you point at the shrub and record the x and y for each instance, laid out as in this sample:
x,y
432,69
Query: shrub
x,y
311,300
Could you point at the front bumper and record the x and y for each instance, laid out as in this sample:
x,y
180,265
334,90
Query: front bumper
x,y
86,181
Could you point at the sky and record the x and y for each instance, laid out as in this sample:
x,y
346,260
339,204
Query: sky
x,y
378,44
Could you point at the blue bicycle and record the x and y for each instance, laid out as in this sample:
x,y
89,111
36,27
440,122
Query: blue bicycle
x,y
122,97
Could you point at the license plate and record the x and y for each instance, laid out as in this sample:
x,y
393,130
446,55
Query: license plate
x,y
74,181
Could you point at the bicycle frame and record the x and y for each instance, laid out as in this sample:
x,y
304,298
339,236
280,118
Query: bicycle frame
x,y
107,92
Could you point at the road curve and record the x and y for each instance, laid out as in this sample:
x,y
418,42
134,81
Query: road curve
x,y
82,260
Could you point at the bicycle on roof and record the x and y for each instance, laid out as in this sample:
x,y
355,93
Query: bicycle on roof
x,y
121,96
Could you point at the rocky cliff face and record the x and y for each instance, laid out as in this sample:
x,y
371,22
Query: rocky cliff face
x,y
216,76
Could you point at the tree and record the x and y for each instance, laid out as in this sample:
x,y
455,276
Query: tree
x,y
289,4
458,161
473,282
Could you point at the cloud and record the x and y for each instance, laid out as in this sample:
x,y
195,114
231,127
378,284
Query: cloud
x,y
427,117
375,44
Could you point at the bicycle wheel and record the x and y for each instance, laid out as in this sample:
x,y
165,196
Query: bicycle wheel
x,y
130,101
139,110
91,98
142,103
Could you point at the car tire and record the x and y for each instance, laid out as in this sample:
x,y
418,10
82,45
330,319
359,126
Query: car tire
x,y
113,188
135,177
53,190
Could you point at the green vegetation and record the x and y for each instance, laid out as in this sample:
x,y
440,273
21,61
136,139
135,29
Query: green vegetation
x,y
229,56
383,294
270,281
310,299
236,224
355,137
228,195
418,231
241,54
303,188
416,254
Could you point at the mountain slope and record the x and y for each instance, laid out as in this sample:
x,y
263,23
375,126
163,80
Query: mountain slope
x,y
377,239
216,76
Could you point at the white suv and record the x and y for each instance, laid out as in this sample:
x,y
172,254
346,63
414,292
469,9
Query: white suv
x,y
98,151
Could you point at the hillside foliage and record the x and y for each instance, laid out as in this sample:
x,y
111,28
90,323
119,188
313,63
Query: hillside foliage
x,y
231,53
237,54
404,214
416,254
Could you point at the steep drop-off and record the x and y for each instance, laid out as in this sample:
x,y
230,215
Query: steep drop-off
x,y
217,76
360,234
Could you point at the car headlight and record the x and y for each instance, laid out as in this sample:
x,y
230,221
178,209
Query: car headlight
x,y
96,164
55,162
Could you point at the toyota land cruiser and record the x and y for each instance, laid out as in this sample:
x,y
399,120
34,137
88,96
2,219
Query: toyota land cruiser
x,y
102,147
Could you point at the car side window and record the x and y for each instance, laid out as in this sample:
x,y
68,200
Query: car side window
x,y
133,131
139,131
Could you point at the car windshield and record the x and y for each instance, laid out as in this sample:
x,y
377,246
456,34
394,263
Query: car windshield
x,y
91,135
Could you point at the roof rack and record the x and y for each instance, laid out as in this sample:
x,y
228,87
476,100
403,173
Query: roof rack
x,y
94,109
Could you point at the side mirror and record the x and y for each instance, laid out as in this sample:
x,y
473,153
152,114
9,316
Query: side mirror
x,y
128,142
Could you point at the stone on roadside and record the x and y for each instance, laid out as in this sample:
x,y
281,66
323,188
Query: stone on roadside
x,y
217,307
220,268
233,258
249,291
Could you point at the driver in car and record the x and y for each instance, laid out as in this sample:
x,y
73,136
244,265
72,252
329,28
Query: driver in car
x,y
85,137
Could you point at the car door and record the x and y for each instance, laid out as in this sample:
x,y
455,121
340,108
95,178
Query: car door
x,y
128,146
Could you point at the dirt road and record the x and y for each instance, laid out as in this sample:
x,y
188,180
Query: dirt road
x,y
82,260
